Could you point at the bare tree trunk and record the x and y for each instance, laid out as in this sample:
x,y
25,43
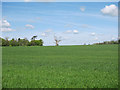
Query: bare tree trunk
x,y
57,43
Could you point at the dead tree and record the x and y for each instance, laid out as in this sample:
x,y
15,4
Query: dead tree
x,y
57,40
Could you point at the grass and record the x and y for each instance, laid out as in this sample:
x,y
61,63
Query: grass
x,y
94,66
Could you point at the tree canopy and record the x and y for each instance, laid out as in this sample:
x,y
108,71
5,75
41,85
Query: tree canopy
x,y
21,42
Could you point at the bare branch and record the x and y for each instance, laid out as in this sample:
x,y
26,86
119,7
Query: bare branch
x,y
57,40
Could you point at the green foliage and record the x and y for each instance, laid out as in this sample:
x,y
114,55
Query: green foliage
x,y
13,42
5,42
0,41
88,66
108,42
33,38
36,43
21,42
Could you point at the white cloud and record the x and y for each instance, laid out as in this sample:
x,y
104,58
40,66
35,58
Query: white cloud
x,y
43,34
27,0
87,26
65,37
68,31
75,31
48,31
82,9
71,32
28,26
113,38
111,10
96,38
6,29
45,0
39,0
5,26
93,34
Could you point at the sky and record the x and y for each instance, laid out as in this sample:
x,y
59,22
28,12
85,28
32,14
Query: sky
x,y
60,0
75,23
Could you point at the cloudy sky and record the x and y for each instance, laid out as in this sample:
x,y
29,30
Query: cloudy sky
x,y
75,23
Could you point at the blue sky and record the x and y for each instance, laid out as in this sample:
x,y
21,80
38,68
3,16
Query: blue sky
x,y
75,23
60,0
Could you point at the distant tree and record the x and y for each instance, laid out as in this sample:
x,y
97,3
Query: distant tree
x,y
19,39
57,40
20,42
13,42
32,43
25,42
0,41
6,41
3,42
108,42
36,43
33,38
119,41
41,42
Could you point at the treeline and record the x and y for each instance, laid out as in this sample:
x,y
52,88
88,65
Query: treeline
x,y
21,42
109,42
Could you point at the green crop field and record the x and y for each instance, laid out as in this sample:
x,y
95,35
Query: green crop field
x,y
90,66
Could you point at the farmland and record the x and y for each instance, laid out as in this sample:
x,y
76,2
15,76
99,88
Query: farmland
x,y
89,66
